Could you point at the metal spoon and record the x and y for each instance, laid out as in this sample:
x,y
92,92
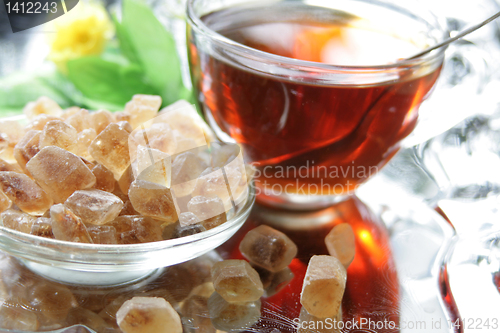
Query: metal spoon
x,y
456,37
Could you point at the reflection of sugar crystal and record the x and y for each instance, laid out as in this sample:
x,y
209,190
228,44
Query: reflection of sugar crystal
x,y
148,315
232,317
52,301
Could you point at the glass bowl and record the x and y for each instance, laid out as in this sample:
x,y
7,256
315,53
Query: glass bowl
x,y
96,264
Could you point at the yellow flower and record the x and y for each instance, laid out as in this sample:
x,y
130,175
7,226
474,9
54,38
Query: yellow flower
x,y
84,30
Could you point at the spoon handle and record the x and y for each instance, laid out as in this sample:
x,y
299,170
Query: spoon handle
x,y
458,36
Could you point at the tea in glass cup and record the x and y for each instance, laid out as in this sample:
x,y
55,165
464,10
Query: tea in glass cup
x,y
315,92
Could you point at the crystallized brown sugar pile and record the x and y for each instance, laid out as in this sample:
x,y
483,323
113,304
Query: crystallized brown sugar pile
x,y
136,176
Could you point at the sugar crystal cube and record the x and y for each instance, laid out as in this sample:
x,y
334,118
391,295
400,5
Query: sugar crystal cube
x,y
223,153
148,315
43,105
152,200
233,317
340,243
188,230
157,136
80,120
17,220
121,116
184,118
94,206
153,166
84,139
26,148
5,166
67,226
5,202
110,148
42,227
212,183
101,119
11,130
38,123
142,108
127,178
187,218
324,286
209,210
58,133
132,229
102,234
60,173
186,168
268,248
24,192
104,179
70,111
236,281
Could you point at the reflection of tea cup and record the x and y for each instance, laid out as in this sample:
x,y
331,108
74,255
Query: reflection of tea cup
x,y
314,130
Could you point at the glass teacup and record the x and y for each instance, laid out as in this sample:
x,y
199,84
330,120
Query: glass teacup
x,y
314,130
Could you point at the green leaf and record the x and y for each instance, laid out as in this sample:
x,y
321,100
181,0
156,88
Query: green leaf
x,y
154,47
107,82
19,89
125,44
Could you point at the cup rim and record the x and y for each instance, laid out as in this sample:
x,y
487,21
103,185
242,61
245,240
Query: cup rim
x,y
311,66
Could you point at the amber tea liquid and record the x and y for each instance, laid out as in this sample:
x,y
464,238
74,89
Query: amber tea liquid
x,y
307,137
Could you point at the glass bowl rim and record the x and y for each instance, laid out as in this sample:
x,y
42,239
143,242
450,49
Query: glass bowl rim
x,y
303,66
